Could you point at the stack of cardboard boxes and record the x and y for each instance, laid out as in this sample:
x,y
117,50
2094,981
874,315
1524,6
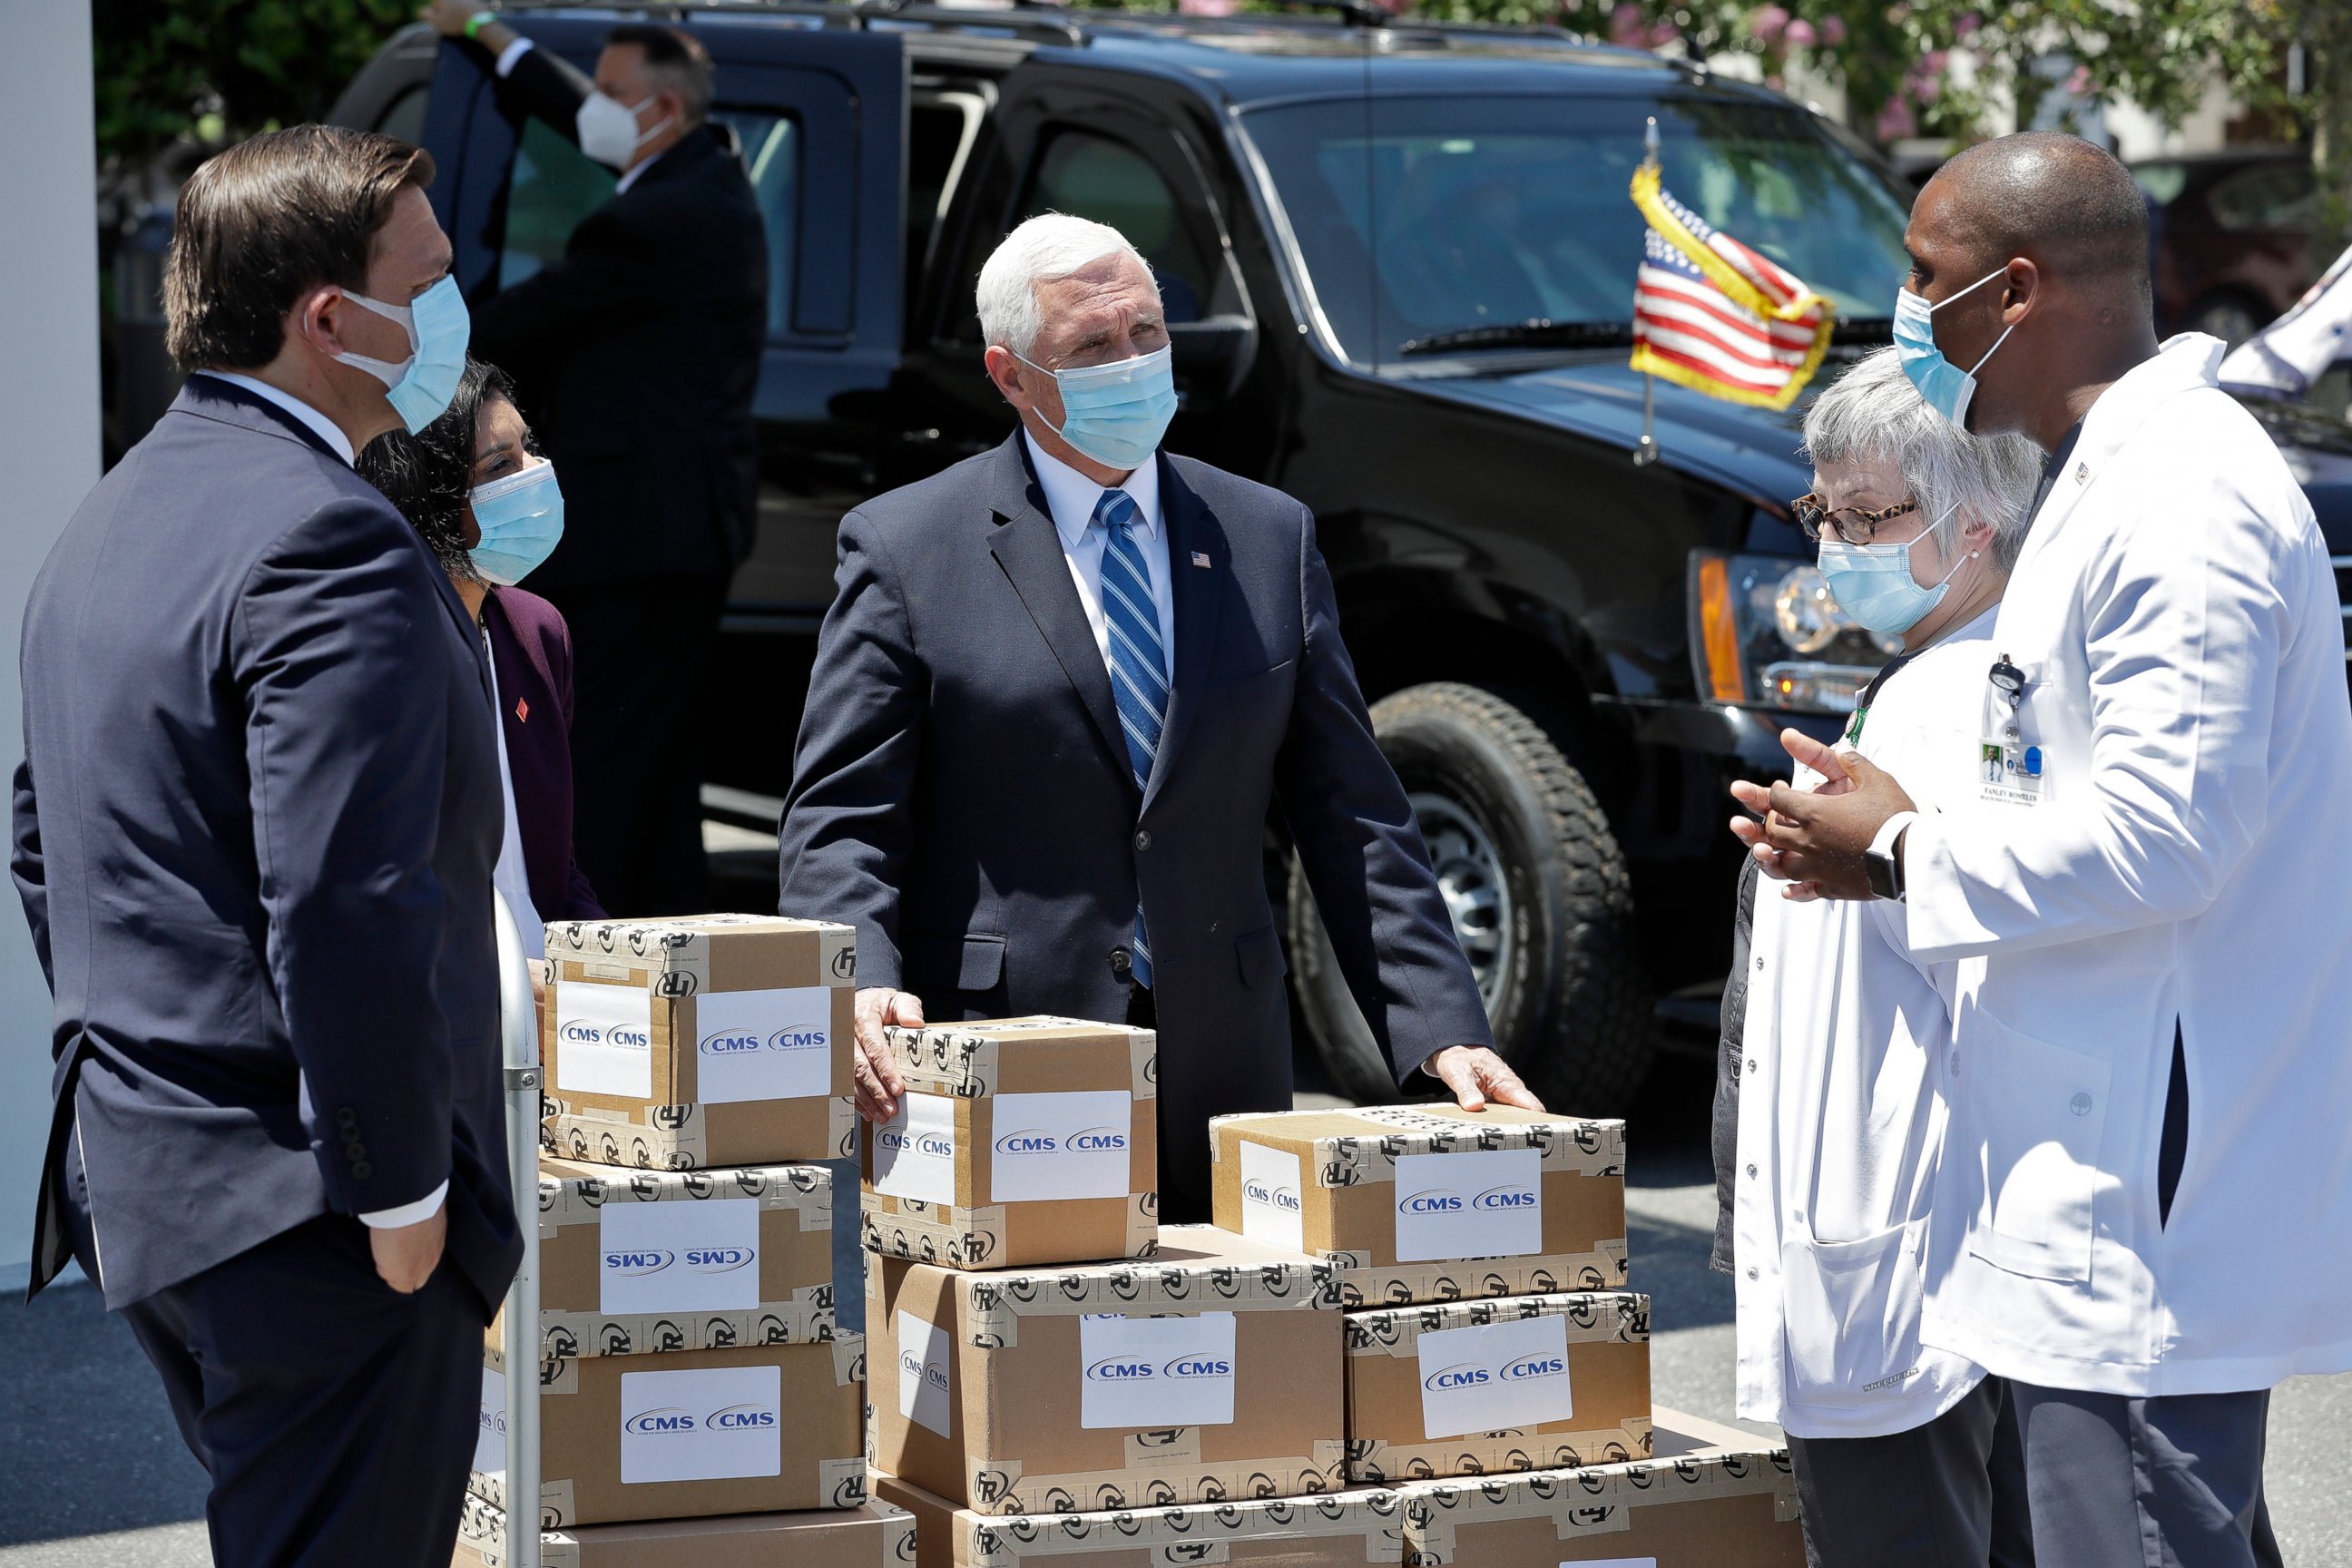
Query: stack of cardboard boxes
x,y
690,1371
1406,1340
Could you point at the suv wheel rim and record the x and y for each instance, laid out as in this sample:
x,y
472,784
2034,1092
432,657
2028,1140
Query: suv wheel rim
x,y
1476,892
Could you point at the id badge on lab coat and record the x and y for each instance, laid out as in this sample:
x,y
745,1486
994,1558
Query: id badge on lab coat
x,y
2010,767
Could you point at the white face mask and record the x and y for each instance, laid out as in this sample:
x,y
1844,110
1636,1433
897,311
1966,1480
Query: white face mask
x,y
608,129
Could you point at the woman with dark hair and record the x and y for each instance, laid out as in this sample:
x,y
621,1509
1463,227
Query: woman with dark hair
x,y
486,505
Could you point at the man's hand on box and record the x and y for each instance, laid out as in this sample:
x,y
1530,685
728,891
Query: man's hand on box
x,y
1477,1075
405,1256
879,1083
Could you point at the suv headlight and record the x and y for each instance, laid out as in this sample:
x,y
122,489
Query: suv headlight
x,y
1764,633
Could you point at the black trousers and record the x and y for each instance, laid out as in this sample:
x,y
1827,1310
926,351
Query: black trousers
x,y
336,1416
1950,1493
2169,1482
1177,1205
641,656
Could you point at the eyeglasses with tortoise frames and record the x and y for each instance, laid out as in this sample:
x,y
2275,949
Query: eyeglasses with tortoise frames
x,y
1851,525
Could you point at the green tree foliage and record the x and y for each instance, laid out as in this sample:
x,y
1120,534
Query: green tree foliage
x,y
1895,61
222,69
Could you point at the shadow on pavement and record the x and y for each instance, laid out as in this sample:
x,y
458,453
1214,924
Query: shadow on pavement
x,y
88,1446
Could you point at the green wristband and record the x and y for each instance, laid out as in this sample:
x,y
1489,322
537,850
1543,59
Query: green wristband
x,y
479,20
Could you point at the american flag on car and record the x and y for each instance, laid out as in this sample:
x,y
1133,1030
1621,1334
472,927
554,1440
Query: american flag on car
x,y
1715,316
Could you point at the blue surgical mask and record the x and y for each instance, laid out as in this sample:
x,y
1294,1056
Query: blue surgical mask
x,y
438,327
521,519
1947,388
1117,413
1872,582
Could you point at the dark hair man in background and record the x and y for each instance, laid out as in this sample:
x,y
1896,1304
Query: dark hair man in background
x,y
254,834
638,351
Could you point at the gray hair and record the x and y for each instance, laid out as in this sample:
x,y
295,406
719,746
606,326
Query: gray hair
x,y
1873,414
1045,250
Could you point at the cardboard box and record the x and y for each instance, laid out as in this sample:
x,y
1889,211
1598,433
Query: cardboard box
x,y
701,1041
1214,1371
1709,1496
756,1429
1331,1530
873,1535
1471,1388
671,1260
1430,1202
1018,1142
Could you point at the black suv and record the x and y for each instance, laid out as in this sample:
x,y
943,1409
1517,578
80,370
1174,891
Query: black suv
x,y
1398,262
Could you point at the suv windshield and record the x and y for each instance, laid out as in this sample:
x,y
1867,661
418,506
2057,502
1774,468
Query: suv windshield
x,y
1507,219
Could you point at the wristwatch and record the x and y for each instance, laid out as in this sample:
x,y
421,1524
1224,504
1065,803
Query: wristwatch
x,y
1880,864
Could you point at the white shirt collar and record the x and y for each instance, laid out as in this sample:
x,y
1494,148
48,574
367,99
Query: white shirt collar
x,y
630,178
1071,496
326,429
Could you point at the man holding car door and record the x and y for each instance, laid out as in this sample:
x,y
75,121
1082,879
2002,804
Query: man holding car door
x,y
2144,1216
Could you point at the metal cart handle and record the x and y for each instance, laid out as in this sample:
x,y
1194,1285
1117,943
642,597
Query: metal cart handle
x,y
519,1034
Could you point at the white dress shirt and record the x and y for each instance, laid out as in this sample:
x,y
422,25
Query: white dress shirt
x,y
326,429
522,47
332,434
1070,500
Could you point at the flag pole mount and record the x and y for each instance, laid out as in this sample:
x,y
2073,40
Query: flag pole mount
x,y
1646,451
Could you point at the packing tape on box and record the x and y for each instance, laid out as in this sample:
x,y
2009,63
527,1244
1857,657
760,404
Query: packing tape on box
x,y
1360,1284
1199,1533
946,1059
1617,1315
995,1304
557,1501
807,1319
1498,1453
806,1189
1164,1446
482,1532
1592,1148
1592,1502
673,957
967,1238
671,1138
1002,1487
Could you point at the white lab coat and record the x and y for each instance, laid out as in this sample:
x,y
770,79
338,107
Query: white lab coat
x,y
1840,1124
2189,861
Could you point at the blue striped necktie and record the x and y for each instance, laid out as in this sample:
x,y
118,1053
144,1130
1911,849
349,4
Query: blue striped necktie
x,y
1139,661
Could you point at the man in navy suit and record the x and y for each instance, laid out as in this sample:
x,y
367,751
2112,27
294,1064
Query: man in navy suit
x,y
1060,689
253,833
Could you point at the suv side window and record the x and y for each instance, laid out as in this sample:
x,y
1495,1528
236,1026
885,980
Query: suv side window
x,y
1100,177
554,186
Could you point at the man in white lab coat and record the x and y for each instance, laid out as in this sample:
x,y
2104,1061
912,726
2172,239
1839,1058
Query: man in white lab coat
x,y
2144,1218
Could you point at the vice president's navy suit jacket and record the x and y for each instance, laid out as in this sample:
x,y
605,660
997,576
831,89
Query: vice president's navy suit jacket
x,y
253,834
962,794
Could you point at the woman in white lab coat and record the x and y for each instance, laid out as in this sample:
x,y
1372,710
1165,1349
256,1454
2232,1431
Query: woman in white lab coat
x,y
1839,1122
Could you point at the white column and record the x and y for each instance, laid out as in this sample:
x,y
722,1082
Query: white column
x,y
49,457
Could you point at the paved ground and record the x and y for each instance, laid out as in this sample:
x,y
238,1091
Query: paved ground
x,y
97,1477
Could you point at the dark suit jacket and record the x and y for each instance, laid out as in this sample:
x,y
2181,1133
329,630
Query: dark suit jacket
x,y
637,353
964,796
531,649
254,831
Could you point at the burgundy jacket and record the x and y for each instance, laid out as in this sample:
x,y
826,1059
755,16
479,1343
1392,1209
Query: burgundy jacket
x,y
530,649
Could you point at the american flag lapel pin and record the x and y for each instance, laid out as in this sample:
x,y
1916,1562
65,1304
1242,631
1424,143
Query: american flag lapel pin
x,y
1200,559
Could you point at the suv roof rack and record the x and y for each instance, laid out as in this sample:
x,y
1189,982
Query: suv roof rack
x,y
1046,22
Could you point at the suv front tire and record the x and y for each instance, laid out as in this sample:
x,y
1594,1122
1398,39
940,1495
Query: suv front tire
x,y
1538,894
